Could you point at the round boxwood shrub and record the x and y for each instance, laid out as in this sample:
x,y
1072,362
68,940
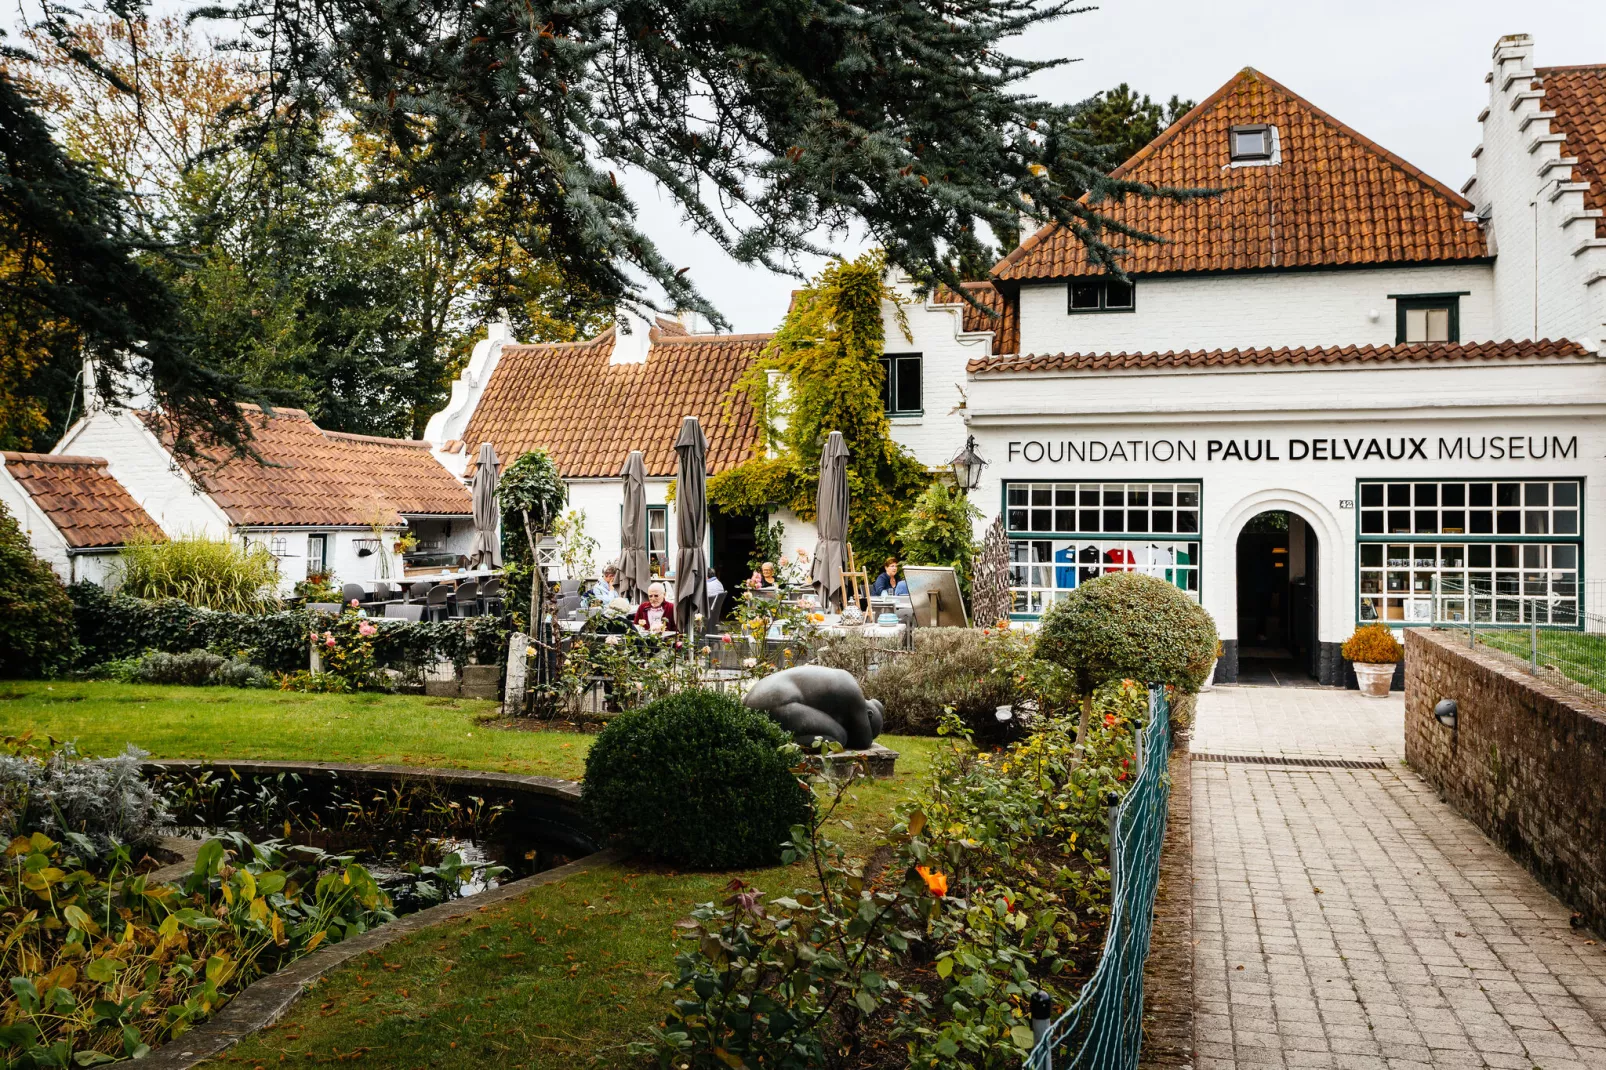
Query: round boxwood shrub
x,y
698,779
1128,626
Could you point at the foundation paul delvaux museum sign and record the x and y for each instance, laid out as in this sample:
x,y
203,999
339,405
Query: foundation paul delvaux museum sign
x,y
1362,449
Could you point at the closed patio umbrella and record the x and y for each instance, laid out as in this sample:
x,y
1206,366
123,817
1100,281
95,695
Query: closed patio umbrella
x,y
831,520
691,522
633,566
487,552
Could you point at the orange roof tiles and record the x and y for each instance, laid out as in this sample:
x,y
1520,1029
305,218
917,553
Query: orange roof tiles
x,y
1335,199
589,414
83,501
311,477
1578,97
1436,352
1005,323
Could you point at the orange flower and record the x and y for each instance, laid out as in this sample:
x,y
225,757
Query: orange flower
x,y
936,883
1109,719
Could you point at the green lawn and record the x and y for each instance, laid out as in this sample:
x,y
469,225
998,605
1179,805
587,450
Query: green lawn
x,y
1580,656
223,722
563,977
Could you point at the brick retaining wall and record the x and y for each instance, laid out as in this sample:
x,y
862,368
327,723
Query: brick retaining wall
x,y
1526,761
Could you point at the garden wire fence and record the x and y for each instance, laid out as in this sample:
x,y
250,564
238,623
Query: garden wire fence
x,y
1103,1029
1551,630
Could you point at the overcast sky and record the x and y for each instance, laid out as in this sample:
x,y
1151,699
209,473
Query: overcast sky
x,y
1406,73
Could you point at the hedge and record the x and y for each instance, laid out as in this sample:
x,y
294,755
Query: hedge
x,y
113,627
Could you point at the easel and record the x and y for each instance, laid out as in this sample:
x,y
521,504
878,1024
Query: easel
x,y
855,582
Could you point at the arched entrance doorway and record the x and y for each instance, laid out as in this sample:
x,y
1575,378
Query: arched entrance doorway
x,y
1278,564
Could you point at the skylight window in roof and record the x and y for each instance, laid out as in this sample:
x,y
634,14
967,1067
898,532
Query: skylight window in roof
x,y
1250,142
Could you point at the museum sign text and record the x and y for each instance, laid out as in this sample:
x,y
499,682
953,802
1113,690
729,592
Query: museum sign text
x,y
1394,448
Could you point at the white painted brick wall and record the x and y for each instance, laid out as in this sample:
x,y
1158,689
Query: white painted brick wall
x,y
1563,399
938,335
1312,308
48,544
137,460
1547,251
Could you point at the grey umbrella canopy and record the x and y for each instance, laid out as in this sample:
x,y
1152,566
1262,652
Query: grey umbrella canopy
x,y
633,566
691,522
831,520
487,552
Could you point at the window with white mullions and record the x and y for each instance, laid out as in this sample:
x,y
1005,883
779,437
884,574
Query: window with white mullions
x,y
901,385
1079,531
1503,507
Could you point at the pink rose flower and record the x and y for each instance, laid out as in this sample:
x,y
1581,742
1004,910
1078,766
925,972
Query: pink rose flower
x,y
329,642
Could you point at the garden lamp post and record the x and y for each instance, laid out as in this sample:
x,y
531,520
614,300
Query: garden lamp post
x,y
967,466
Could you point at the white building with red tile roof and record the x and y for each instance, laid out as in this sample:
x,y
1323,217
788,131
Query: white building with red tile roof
x,y
76,515
322,502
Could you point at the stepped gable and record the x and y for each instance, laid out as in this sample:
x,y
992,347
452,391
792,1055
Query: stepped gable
x,y
589,413
79,496
1331,197
1578,97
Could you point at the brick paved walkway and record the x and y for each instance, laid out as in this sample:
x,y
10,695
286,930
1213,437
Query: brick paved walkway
x,y
1347,918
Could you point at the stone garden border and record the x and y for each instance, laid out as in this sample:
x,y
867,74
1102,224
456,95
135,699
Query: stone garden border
x,y
266,999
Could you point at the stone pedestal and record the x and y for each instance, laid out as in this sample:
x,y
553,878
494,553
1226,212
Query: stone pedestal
x,y
876,761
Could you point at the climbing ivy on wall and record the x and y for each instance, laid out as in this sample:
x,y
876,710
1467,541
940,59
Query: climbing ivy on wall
x,y
828,354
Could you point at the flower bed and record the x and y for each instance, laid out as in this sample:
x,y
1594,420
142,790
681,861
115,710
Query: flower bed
x,y
994,886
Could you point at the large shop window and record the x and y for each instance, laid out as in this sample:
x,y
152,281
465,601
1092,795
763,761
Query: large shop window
x,y
1517,562
1064,534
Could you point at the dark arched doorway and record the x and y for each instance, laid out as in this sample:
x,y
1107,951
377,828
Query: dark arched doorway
x,y
1278,558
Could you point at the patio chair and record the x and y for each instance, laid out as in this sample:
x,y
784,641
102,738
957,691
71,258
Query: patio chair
x,y
419,592
352,591
437,605
403,611
568,606
491,595
716,613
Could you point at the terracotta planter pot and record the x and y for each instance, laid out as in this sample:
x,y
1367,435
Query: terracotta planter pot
x,y
1375,680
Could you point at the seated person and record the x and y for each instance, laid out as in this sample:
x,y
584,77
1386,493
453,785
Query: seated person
x,y
606,589
887,582
714,587
655,616
764,577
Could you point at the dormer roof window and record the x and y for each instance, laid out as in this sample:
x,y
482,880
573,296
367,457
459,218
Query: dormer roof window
x,y
1250,142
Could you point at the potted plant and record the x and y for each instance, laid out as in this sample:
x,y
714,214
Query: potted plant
x,y
1375,651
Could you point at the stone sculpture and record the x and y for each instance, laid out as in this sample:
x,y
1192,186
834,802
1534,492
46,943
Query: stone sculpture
x,y
813,702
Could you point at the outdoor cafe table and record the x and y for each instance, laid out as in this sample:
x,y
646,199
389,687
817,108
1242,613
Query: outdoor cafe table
x,y
448,576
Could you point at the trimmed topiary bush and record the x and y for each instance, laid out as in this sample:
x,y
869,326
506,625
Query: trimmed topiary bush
x,y
1128,626
698,779
37,637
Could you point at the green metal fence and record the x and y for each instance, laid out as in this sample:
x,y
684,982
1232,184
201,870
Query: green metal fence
x,y
1103,1029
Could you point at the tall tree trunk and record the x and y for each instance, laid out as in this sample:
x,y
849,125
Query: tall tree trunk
x,y
1087,715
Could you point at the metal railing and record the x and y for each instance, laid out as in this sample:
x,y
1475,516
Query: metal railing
x,y
1103,1029
1561,641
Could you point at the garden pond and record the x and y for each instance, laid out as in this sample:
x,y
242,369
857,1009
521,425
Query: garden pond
x,y
424,836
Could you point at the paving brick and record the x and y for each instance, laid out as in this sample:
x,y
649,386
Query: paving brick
x,y
1374,926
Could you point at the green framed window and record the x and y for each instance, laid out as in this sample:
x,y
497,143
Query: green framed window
x,y
1427,317
901,387
1449,551
1063,534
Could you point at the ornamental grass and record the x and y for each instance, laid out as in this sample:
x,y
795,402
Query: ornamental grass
x,y
203,572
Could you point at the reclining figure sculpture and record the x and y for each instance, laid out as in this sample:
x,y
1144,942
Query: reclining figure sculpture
x,y
813,702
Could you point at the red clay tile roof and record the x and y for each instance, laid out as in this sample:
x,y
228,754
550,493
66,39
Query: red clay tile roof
x,y
1005,325
311,477
78,494
1435,352
589,414
1336,199
1578,97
